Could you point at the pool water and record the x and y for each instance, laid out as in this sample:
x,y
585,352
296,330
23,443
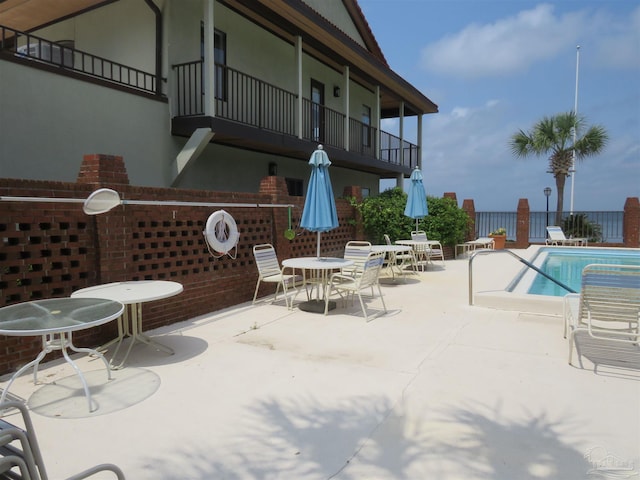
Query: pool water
x,y
566,264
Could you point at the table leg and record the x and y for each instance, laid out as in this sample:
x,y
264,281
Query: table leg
x,y
58,341
133,320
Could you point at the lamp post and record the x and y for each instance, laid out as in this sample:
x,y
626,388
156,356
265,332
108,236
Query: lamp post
x,y
547,192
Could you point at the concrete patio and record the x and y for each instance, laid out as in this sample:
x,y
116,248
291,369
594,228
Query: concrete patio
x,y
434,389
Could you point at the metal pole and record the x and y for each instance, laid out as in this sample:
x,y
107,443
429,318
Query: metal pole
x,y
575,111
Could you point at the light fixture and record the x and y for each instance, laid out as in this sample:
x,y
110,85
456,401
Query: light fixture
x,y
336,91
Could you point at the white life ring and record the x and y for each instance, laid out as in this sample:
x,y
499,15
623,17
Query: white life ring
x,y
221,233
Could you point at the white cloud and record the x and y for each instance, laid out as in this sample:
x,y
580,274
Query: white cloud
x,y
508,45
616,42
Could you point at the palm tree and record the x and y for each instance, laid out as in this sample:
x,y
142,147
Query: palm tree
x,y
553,136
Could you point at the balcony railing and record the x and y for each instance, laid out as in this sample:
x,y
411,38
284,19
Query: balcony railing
x,y
249,100
64,56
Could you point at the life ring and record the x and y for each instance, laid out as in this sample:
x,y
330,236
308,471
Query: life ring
x,y
221,233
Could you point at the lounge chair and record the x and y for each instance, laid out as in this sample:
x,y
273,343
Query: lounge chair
x,y
20,456
607,307
557,237
269,271
353,285
480,242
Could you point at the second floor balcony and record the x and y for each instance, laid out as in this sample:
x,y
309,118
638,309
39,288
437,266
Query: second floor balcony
x,y
280,126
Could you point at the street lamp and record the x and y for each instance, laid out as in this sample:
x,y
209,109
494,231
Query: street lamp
x,y
547,192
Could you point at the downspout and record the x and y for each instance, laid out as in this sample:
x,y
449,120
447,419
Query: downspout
x,y
158,15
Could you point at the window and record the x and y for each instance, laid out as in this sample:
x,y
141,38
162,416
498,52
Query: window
x,y
294,187
366,126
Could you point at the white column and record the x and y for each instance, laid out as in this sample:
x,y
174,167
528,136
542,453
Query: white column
x,y
345,106
298,47
420,141
208,65
378,121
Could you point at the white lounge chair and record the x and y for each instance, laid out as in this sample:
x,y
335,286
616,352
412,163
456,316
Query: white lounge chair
x,y
364,279
480,242
269,271
356,251
607,307
557,237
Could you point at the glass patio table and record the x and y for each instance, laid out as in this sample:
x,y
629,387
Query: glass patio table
x,y
55,320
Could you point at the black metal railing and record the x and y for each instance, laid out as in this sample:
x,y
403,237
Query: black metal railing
x,y
249,100
362,138
596,226
64,56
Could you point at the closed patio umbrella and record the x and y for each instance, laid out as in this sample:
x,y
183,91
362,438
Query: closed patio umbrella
x,y
417,199
319,213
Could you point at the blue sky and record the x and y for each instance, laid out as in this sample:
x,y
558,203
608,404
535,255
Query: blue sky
x,y
496,66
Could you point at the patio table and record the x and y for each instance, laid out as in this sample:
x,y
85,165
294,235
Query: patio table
x,y
321,266
392,249
55,319
132,294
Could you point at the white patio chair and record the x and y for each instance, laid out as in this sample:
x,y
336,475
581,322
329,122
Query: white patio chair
x,y
557,237
356,251
607,307
353,285
20,456
401,260
269,271
427,249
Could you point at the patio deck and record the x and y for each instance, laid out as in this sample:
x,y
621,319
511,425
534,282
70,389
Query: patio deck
x,y
435,389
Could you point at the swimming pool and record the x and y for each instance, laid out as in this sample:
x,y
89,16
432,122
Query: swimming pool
x,y
565,265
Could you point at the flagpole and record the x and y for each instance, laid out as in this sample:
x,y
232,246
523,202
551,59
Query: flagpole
x,y
575,111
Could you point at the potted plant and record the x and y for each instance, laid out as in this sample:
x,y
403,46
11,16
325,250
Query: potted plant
x,y
499,236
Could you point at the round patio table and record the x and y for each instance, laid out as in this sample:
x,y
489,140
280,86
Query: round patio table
x,y
55,319
132,294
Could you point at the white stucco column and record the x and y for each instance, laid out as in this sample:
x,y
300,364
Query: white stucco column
x,y
298,47
420,141
208,65
345,106
378,121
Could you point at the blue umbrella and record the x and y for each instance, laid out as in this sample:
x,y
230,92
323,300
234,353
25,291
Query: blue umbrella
x,y
319,213
417,200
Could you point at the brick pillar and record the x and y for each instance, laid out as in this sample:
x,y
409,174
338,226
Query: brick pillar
x,y
451,195
355,192
100,169
273,186
631,223
469,207
522,224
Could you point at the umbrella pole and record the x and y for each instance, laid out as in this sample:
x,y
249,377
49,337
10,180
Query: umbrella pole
x,y
318,248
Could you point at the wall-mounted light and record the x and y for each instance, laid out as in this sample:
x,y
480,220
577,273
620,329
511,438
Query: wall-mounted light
x,y
273,169
336,91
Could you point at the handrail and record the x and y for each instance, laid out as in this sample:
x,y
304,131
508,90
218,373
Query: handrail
x,y
520,259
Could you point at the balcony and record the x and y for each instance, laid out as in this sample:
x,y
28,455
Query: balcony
x,y
251,113
62,58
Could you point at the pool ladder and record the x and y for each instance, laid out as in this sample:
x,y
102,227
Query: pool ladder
x,y
520,259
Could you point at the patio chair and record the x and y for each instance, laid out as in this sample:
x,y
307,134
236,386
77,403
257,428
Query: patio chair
x,y
480,242
269,271
20,456
353,285
427,250
356,251
607,307
401,260
557,237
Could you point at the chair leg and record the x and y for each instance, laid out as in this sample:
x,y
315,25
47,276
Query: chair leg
x,y
255,294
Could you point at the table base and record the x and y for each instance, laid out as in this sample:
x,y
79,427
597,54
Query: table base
x,y
316,306
59,341
130,325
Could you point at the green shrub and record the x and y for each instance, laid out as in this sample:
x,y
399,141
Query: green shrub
x,y
384,213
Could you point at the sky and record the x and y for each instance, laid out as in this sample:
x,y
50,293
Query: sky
x,y
495,67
